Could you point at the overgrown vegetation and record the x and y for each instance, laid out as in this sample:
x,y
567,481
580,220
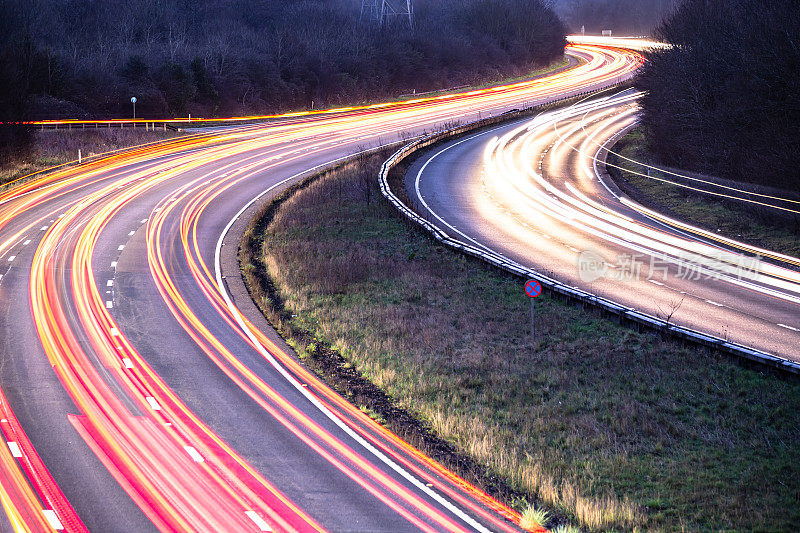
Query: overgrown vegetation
x,y
758,226
613,428
723,99
49,148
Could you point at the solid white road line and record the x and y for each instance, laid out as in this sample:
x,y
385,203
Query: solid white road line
x,y
304,391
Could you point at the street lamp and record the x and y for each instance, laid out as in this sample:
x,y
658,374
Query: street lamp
x,y
133,101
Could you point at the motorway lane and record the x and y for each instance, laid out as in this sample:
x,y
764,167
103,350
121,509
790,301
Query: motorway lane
x,y
507,203
177,402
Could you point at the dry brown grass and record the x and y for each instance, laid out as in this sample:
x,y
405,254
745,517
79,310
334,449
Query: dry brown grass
x,y
55,147
613,428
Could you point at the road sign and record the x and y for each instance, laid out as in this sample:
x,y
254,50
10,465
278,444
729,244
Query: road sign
x,y
533,288
133,99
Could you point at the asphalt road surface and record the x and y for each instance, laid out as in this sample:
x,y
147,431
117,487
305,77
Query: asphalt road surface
x,y
140,389
532,192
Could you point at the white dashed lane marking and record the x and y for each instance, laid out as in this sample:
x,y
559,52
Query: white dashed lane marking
x,y
260,522
194,454
153,403
14,448
52,519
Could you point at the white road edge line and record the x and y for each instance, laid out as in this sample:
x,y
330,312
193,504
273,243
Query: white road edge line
x,y
788,327
296,384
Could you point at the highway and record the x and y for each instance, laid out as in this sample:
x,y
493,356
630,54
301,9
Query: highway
x,y
535,192
141,390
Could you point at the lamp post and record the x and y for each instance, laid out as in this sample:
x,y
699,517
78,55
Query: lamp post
x,y
133,101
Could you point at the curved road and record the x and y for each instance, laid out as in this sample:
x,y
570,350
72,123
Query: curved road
x,y
140,389
532,192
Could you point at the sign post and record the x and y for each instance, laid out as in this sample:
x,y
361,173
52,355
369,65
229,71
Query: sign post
x,y
133,101
533,289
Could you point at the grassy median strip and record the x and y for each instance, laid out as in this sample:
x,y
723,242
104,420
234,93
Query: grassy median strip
x,y
728,219
608,427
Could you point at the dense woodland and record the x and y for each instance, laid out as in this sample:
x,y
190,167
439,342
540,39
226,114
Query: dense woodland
x,y
725,99
83,58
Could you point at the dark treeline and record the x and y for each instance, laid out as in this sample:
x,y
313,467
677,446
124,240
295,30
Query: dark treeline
x,y
623,17
86,58
725,100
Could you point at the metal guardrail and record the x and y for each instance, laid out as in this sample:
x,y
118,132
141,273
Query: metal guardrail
x,y
575,293
107,124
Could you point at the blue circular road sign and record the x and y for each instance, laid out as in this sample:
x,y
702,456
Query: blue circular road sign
x,y
533,288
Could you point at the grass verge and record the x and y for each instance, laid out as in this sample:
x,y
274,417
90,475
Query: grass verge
x,y
727,218
608,427
56,147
